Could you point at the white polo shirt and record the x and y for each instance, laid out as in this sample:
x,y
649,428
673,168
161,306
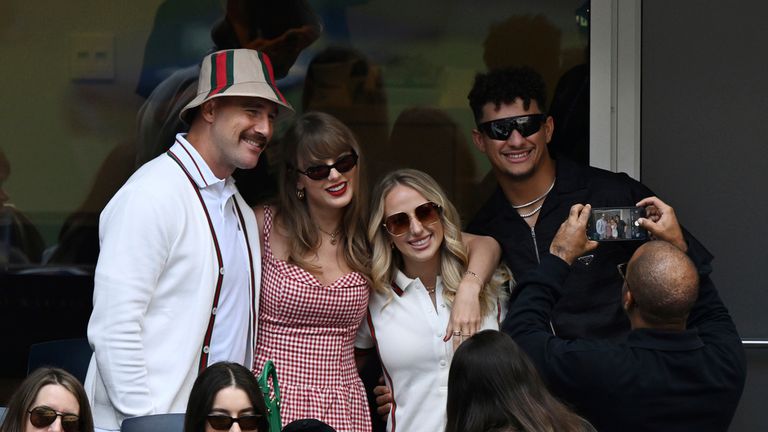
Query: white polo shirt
x,y
408,333
230,338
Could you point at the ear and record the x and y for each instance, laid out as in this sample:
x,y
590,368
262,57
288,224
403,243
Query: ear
x,y
477,139
549,126
208,110
627,301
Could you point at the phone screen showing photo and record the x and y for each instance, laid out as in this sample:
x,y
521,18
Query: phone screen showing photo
x,y
616,224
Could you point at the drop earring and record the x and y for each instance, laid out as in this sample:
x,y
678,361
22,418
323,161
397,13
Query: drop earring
x,y
300,194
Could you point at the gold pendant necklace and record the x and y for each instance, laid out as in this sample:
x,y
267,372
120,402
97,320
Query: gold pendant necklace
x,y
332,235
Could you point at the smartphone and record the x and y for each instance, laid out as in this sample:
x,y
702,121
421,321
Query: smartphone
x,y
616,224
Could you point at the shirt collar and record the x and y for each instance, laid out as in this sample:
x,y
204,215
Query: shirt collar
x,y
196,167
570,175
403,282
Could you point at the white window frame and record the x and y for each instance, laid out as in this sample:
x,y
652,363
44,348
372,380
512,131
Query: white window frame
x,y
614,111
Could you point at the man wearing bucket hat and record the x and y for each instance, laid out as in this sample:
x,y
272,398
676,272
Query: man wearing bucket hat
x,y
176,284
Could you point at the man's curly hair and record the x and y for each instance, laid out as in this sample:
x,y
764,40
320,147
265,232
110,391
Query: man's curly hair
x,y
504,86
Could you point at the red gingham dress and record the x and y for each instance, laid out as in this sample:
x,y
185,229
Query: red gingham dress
x,y
308,330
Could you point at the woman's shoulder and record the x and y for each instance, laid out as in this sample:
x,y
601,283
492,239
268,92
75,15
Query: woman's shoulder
x,y
259,211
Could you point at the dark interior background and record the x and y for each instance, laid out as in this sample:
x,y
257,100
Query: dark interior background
x,y
704,148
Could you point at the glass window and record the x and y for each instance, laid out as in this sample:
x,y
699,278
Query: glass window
x,y
92,90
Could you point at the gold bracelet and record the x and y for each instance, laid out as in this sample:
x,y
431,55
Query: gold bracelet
x,y
474,275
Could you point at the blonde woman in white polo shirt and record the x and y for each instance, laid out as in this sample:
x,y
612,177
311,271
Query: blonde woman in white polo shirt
x,y
419,258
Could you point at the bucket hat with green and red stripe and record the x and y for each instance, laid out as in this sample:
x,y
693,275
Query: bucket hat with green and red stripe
x,y
237,72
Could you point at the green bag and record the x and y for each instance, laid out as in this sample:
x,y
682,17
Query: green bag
x,y
271,396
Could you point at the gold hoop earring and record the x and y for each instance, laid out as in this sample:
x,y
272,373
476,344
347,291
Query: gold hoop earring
x,y
300,194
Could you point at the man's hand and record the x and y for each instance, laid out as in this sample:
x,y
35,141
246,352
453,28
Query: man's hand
x,y
661,222
383,399
571,240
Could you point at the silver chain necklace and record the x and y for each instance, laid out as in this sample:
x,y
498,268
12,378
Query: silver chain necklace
x,y
527,215
516,207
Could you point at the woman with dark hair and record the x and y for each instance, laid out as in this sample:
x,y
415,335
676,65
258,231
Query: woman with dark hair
x,y
224,394
48,399
494,387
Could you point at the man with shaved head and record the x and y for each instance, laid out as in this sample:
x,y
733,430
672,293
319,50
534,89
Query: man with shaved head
x,y
663,280
681,367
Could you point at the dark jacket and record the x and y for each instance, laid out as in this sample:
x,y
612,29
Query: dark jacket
x,y
653,381
590,306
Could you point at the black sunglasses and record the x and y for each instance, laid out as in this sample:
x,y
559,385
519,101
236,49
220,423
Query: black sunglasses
x,y
44,416
247,422
399,223
501,129
342,165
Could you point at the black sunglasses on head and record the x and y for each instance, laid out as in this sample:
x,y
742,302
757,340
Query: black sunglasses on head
x,y
342,165
247,422
399,223
43,416
501,129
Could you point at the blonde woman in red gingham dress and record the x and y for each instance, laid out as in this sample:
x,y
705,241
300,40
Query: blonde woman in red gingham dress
x,y
314,293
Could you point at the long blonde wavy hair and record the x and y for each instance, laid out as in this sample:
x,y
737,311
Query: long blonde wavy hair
x,y
312,139
386,260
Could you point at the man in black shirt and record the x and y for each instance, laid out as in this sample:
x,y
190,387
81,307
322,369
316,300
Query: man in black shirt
x,y
534,197
682,366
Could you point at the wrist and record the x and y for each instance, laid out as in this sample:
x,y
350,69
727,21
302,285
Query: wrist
x,y
561,253
472,280
473,275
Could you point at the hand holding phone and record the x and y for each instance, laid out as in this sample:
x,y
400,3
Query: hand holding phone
x,y
616,224
661,222
569,241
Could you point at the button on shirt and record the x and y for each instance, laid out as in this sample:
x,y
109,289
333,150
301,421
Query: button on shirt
x,y
230,337
408,330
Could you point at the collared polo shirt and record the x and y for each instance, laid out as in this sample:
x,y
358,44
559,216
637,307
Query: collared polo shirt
x,y
230,337
408,331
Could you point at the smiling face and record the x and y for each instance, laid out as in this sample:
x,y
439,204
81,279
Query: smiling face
x,y
517,157
240,128
232,402
58,398
420,245
332,192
